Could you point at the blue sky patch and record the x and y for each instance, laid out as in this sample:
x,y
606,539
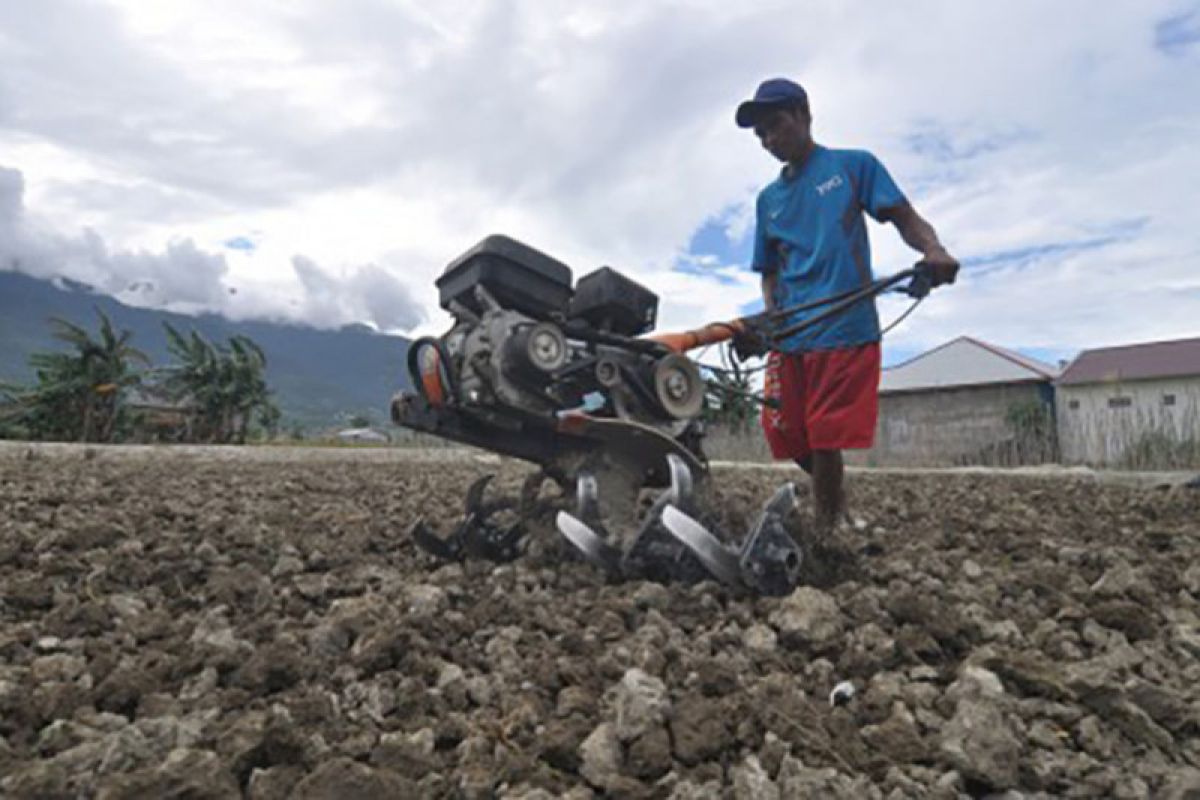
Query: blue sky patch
x,y
1177,34
894,354
711,249
712,239
1121,231
703,268
753,307
940,144
240,243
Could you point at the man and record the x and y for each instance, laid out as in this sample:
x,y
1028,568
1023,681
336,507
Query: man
x,y
811,243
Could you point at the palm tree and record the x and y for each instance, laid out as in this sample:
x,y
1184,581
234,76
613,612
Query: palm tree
x,y
225,385
79,392
247,388
194,380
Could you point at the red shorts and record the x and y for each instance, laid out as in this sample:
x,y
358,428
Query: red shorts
x,y
829,400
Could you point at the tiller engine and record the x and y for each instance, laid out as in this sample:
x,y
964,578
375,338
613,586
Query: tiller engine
x,y
566,377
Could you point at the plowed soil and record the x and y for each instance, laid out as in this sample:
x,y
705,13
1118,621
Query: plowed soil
x,y
201,624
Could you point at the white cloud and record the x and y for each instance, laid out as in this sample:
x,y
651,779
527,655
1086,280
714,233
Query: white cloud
x,y
397,134
183,277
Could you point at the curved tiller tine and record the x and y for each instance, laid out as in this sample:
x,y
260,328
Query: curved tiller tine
x,y
585,531
459,543
589,543
718,559
770,558
474,500
654,553
783,502
682,482
587,500
499,544
448,549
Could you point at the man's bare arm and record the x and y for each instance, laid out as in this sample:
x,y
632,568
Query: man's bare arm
x,y
769,279
918,234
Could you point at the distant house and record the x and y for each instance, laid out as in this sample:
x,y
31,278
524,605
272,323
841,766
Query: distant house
x,y
363,435
159,416
965,402
1135,405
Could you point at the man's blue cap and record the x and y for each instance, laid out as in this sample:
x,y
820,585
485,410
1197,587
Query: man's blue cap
x,y
771,94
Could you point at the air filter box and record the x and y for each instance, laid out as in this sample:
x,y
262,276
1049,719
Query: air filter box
x,y
607,300
519,277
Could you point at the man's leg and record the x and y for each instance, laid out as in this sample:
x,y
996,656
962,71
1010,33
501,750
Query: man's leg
x,y
841,413
829,498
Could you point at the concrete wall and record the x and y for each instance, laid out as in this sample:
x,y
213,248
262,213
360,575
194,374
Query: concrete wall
x,y
1126,423
955,426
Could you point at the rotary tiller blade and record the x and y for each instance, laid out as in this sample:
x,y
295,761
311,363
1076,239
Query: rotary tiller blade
x,y
589,543
718,559
491,542
654,553
448,549
682,482
770,558
474,500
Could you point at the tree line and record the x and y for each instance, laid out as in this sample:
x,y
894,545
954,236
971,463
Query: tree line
x,y
100,388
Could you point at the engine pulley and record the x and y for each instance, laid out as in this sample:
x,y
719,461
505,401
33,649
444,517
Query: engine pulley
x,y
678,387
547,347
537,348
608,372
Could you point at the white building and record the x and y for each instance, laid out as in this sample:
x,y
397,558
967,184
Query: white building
x,y
965,402
1136,405
363,435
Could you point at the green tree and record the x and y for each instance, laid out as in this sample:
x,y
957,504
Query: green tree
x,y
730,400
80,391
247,391
224,386
193,381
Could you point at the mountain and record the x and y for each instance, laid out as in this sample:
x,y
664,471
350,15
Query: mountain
x,y
320,377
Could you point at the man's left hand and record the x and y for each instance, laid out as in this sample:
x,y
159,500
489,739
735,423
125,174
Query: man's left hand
x,y
943,267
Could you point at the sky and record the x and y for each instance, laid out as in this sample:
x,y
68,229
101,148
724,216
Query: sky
x,y
322,162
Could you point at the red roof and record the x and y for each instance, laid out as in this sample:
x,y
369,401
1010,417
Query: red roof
x,y
1135,362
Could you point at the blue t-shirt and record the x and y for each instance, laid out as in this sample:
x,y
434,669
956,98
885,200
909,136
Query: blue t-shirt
x,y
810,228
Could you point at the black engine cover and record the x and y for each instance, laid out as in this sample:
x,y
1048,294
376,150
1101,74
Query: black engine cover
x,y
519,277
607,300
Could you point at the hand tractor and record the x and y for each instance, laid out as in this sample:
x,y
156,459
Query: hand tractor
x,y
569,377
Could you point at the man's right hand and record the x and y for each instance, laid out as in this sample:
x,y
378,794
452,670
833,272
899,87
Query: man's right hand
x,y
750,343
943,267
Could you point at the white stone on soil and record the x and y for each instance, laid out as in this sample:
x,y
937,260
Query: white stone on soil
x,y
809,616
640,702
751,781
601,756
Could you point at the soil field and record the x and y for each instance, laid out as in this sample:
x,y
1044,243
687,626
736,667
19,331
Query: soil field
x,y
201,624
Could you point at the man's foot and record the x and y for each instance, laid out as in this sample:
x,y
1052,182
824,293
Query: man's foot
x,y
830,556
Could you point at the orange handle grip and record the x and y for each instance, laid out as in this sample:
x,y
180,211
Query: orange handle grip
x,y
713,333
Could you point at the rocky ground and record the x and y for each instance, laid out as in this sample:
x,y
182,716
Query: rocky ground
x,y
211,626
